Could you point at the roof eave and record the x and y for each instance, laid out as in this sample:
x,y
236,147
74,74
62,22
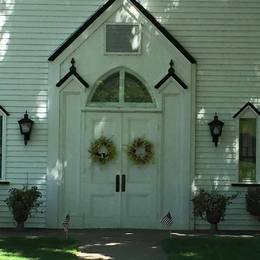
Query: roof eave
x,y
101,10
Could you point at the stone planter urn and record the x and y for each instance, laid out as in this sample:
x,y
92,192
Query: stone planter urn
x,y
213,217
20,226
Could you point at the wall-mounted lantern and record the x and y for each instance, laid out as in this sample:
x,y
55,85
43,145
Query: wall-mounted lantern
x,y
25,125
215,127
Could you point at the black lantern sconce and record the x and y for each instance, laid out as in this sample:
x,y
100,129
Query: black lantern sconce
x,y
215,127
25,125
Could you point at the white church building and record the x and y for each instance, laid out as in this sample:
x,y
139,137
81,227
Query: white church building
x,y
127,69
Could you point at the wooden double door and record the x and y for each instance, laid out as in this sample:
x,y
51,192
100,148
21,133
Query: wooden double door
x,y
120,193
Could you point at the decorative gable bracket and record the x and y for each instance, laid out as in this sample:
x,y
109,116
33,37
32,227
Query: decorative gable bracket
x,y
73,71
171,73
251,106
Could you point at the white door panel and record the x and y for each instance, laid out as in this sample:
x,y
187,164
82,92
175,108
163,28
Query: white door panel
x,y
102,202
140,201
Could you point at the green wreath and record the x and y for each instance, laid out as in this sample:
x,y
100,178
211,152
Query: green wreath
x,y
102,150
140,151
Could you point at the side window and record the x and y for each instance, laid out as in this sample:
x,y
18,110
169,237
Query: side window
x,y
248,127
1,144
3,116
247,149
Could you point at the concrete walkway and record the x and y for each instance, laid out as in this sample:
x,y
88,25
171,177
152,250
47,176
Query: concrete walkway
x,y
121,244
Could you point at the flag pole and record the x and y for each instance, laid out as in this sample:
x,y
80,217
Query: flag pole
x,y
170,231
65,224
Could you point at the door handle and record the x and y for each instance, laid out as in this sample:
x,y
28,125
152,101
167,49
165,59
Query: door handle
x,y
117,183
123,183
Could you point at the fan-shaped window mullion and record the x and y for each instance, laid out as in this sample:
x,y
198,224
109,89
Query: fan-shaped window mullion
x,y
122,86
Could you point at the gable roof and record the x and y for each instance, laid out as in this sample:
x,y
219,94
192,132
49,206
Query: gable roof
x,y
248,104
101,10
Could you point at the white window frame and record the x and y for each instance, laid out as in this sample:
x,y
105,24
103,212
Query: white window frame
x,y
249,114
139,52
3,169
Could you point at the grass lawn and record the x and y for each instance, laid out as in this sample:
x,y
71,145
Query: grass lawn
x,y
37,248
213,248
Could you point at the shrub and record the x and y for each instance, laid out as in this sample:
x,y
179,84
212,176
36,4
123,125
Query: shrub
x,y
253,201
211,206
21,202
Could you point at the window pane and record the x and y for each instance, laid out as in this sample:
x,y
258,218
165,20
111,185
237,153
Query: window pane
x,y
247,149
135,91
107,89
122,38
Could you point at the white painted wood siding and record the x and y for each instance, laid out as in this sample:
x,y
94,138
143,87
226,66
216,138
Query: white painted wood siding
x,y
223,36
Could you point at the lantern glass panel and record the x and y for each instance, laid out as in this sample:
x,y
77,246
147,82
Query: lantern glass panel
x,y
26,127
216,130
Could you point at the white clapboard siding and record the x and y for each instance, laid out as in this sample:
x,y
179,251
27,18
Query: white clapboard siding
x,y
223,36
30,31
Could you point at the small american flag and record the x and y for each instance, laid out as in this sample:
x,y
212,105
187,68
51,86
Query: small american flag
x,y
66,224
167,219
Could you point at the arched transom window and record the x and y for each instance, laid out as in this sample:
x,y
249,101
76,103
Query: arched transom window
x,y
121,87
